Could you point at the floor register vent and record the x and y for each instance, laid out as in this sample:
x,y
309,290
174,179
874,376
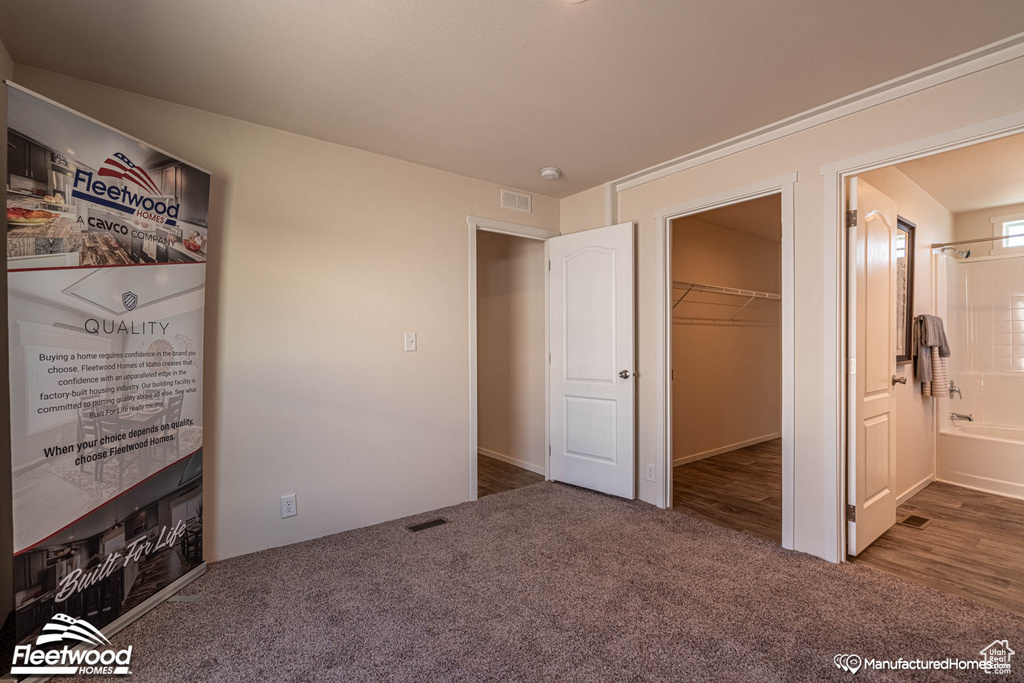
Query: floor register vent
x,y
427,525
916,522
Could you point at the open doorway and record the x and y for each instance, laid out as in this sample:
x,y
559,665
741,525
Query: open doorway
x,y
588,329
511,358
726,360
936,405
508,443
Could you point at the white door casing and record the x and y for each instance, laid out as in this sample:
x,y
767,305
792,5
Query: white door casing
x,y
593,384
872,365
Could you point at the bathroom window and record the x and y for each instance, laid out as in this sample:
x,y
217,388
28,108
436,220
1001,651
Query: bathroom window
x,y
1008,226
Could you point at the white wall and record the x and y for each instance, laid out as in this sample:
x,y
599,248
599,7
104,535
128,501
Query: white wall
x,y
510,348
322,257
967,100
727,387
915,414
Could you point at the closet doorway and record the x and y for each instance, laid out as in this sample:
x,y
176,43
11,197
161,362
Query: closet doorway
x,y
508,328
726,362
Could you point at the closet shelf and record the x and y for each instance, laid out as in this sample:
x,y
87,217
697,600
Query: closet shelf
x,y
715,289
715,322
716,305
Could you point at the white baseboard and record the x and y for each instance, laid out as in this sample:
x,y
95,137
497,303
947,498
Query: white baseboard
x,y
539,469
985,485
725,449
914,490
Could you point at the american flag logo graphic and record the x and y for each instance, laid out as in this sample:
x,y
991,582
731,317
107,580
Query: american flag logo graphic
x,y
121,167
62,627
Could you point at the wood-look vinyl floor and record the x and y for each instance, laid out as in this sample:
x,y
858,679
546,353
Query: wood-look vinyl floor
x,y
494,476
741,489
973,547
40,497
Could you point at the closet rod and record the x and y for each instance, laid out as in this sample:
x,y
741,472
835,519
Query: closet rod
x,y
715,322
716,289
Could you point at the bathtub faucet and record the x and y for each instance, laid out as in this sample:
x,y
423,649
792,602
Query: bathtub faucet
x,y
954,389
960,416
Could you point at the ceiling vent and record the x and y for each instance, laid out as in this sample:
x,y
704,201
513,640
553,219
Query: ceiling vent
x,y
516,200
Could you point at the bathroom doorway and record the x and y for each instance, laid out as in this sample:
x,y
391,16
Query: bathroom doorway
x,y
726,365
937,429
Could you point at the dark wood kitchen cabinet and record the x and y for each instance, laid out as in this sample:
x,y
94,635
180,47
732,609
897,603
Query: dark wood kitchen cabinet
x,y
27,159
190,189
38,163
17,155
194,188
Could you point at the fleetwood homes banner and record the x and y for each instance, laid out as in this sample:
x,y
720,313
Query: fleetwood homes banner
x,y
106,272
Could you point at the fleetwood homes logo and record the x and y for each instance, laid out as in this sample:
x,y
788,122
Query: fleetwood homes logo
x,y
85,651
120,167
130,300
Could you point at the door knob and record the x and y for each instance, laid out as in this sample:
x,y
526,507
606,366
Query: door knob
x,y
624,374
898,380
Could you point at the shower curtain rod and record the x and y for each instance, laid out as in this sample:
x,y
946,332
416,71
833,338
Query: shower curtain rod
x,y
938,245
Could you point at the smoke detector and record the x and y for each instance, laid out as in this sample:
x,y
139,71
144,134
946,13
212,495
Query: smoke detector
x,y
550,173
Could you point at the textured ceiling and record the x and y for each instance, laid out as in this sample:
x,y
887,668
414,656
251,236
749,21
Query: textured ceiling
x,y
496,89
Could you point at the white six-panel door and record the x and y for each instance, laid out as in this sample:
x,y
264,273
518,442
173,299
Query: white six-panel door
x,y
593,383
872,366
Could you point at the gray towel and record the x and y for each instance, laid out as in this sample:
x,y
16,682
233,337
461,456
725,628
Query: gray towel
x,y
928,332
939,386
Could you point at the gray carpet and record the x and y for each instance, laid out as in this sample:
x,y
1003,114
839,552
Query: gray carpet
x,y
550,583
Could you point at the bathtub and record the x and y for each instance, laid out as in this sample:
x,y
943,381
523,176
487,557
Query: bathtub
x,y
983,457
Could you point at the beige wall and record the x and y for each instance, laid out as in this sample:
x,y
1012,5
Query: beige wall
x,y
510,348
727,386
915,414
322,258
971,99
6,513
974,224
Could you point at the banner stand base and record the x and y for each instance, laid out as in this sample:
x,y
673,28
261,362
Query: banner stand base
x,y
124,620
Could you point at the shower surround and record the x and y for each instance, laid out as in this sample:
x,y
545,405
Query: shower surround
x,y
983,299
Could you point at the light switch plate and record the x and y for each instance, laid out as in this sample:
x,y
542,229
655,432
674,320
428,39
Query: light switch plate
x,y
410,341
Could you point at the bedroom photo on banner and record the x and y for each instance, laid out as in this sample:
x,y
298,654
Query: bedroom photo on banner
x,y
106,273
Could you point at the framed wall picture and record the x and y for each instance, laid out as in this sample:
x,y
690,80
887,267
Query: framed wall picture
x,y
904,289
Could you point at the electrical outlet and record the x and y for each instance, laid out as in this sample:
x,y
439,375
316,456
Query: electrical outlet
x,y
288,506
650,472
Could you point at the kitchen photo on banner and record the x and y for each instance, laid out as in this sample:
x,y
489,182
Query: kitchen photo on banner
x,y
106,275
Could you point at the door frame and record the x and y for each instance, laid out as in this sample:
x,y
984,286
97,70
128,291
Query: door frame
x,y
783,186
515,230
834,176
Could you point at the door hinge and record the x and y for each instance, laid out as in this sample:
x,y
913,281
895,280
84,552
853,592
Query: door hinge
x,y
549,265
549,450
851,218
851,513
549,359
